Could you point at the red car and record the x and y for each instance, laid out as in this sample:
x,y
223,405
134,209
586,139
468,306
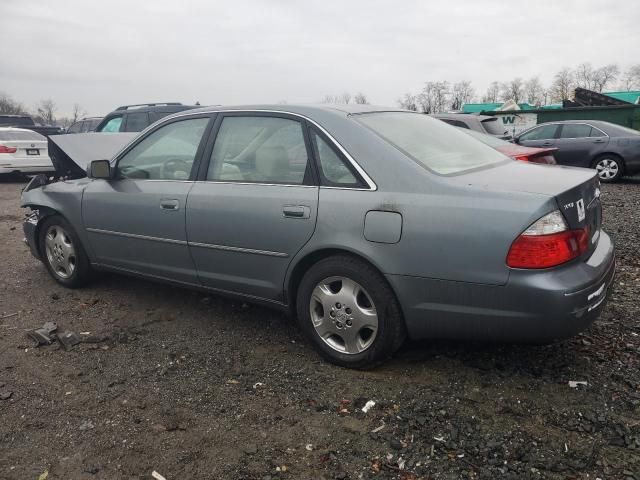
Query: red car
x,y
517,152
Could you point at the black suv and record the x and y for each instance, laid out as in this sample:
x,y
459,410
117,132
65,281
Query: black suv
x,y
135,118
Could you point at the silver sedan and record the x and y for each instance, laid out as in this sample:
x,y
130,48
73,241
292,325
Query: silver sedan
x,y
368,224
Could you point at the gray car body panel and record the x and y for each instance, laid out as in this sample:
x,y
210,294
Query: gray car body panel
x,y
447,266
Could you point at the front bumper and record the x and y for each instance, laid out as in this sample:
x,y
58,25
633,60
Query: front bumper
x,y
533,307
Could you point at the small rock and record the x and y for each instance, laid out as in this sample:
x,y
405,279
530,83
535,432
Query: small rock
x,y
86,425
395,444
92,469
5,395
158,428
251,449
55,296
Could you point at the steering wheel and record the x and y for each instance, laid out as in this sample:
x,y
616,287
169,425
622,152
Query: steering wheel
x,y
175,169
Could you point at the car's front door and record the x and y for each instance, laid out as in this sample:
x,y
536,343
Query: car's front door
x,y
255,205
579,143
539,137
136,221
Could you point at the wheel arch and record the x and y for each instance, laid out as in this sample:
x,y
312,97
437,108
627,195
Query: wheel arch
x,y
304,263
44,212
608,154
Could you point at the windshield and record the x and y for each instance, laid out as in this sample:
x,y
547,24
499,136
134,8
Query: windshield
x,y
486,139
434,144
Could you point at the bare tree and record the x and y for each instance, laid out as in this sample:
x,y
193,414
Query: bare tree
x,y
461,93
493,93
77,113
330,99
604,76
345,98
434,96
9,106
584,76
47,111
534,91
361,98
513,90
563,85
631,78
408,102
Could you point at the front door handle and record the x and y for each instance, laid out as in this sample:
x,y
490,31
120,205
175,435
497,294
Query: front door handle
x,y
296,211
169,204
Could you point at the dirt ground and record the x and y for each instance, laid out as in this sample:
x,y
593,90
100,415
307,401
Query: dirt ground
x,y
203,387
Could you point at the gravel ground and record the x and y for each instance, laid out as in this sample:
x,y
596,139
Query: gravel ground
x,y
203,387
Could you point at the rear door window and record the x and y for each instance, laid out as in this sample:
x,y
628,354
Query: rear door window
x,y
334,171
75,128
575,130
259,149
136,122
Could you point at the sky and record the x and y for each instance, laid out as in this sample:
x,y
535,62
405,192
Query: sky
x,y
105,54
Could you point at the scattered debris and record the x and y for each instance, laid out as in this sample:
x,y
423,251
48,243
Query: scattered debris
x,y
368,406
44,475
377,429
45,334
258,384
9,315
86,425
68,339
157,476
309,447
575,383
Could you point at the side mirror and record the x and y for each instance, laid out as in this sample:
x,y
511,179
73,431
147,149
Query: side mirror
x,y
99,169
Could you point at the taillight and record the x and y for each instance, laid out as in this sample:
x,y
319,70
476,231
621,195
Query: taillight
x,y
544,159
5,149
547,243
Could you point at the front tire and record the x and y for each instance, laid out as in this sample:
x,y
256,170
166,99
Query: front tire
x,y
609,168
63,254
348,311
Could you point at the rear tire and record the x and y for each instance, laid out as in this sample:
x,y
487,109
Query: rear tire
x,y
349,313
610,168
63,254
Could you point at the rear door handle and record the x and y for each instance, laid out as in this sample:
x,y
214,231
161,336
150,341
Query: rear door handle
x,y
296,211
547,144
598,141
169,204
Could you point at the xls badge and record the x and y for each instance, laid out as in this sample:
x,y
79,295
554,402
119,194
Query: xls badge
x,y
580,208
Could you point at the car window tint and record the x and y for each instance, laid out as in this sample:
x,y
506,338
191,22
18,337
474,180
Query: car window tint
x,y
596,132
166,154
75,128
455,123
545,132
333,169
112,125
136,122
575,130
155,116
259,149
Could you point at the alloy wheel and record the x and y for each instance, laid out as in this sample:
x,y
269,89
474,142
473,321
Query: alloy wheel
x,y
344,315
607,169
60,251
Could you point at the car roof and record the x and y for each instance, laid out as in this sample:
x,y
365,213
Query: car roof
x,y
462,116
16,129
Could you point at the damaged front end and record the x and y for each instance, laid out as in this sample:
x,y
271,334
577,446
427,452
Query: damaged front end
x,y
62,193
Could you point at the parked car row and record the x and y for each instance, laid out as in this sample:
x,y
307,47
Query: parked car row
x,y
367,224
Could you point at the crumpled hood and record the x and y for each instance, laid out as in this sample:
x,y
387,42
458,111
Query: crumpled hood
x,y
70,154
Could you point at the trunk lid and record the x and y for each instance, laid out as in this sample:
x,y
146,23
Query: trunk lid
x,y
575,190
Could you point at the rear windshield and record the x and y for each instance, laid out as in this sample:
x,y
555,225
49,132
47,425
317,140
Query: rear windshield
x,y
486,139
18,135
10,120
494,126
432,143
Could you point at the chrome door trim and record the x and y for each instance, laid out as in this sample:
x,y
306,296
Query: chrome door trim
x,y
228,248
136,236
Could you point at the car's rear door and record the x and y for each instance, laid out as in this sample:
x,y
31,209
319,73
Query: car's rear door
x,y
579,143
255,203
136,221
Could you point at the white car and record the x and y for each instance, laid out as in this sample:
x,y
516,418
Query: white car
x,y
23,151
